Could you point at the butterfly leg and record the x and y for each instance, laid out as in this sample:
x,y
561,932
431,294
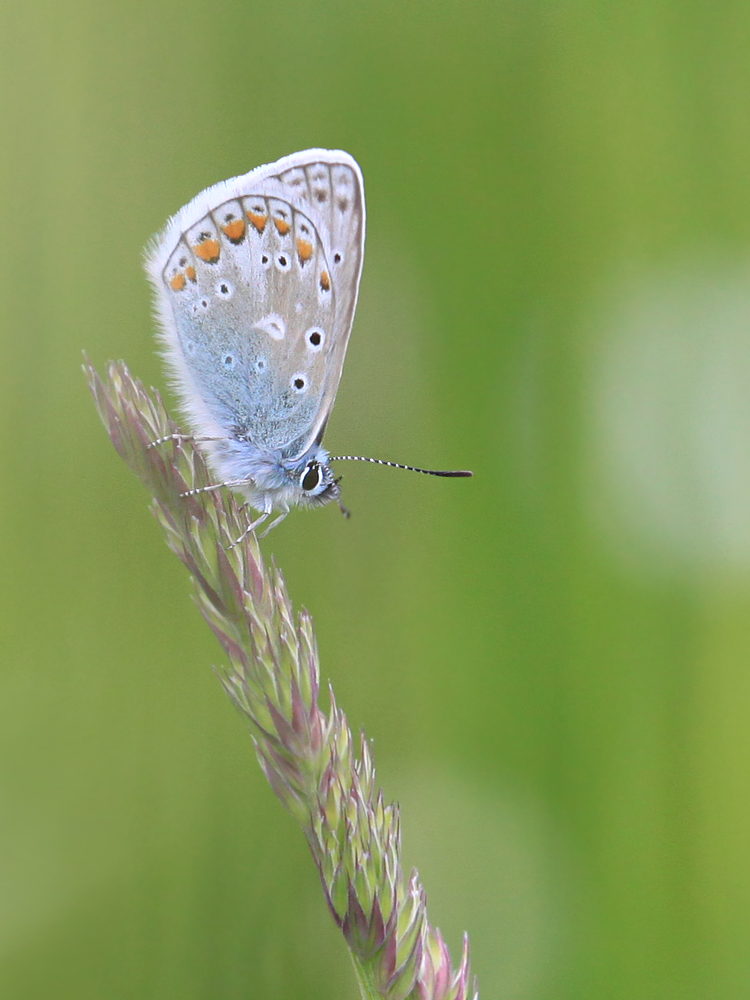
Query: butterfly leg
x,y
216,486
273,523
253,525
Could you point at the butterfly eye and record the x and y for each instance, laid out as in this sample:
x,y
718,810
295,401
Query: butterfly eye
x,y
311,477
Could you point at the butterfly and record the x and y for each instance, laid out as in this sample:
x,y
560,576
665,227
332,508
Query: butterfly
x,y
256,283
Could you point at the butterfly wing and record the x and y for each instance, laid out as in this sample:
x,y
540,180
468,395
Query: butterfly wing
x,y
256,284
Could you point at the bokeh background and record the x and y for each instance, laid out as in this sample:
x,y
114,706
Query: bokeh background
x,y
552,658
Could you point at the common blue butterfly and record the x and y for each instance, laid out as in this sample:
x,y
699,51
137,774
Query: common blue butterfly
x,y
256,284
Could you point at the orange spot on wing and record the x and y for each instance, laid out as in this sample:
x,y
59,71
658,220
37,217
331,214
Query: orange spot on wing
x,y
178,282
304,250
208,250
325,281
235,230
282,225
258,220
190,272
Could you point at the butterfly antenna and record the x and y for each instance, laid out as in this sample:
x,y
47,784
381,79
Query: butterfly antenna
x,y
397,465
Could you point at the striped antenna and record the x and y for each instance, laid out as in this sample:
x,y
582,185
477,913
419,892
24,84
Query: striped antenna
x,y
397,465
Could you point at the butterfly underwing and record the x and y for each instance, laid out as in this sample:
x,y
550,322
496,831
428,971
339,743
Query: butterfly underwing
x,y
256,283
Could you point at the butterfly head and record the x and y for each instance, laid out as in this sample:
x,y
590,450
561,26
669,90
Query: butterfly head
x,y
317,484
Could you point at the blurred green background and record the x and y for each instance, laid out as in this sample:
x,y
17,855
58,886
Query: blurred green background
x,y
552,657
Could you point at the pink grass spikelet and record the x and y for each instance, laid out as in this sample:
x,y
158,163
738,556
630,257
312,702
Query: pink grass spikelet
x,y
272,675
